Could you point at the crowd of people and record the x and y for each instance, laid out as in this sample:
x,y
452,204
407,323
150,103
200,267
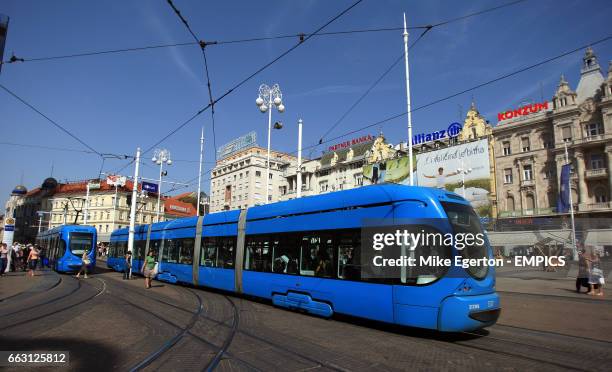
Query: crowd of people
x,y
22,257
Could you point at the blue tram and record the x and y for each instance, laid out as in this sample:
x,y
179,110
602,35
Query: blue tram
x,y
305,254
66,244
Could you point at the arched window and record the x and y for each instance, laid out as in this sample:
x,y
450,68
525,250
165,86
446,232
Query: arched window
x,y
529,202
601,196
552,200
510,203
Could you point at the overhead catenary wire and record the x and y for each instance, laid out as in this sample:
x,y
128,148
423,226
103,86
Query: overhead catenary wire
x,y
57,125
252,75
202,45
299,36
371,87
446,98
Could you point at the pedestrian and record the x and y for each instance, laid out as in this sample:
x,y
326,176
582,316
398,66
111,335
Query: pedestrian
x,y
4,254
128,265
25,253
596,279
149,269
32,259
84,262
582,280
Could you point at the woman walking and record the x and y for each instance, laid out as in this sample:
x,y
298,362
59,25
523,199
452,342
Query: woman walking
x,y
33,260
149,269
84,262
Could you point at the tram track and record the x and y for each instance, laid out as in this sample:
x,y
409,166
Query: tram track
x,y
187,330
16,295
74,290
57,311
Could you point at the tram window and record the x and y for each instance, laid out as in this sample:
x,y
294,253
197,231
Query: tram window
x,y
286,255
79,242
185,247
316,255
171,251
208,256
464,220
155,247
258,254
349,267
61,247
226,252
139,248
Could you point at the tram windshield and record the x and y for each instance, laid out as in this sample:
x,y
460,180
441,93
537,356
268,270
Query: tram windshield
x,y
465,221
79,242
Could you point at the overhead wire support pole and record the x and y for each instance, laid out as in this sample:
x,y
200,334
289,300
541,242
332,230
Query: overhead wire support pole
x,y
571,202
200,172
408,104
131,230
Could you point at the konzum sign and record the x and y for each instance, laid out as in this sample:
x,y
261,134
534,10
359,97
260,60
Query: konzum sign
x,y
523,111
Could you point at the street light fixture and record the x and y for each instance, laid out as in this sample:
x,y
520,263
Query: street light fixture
x,y
463,173
161,157
268,98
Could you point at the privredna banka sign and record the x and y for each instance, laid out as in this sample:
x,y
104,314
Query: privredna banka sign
x,y
349,143
523,111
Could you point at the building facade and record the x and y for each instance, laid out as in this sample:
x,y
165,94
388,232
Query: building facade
x,y
54,204
531,142
238,181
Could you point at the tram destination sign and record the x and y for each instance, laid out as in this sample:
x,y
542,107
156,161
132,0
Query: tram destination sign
x,y
248,140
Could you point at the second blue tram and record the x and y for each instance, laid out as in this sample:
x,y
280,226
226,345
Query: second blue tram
x,y
66,244
305,254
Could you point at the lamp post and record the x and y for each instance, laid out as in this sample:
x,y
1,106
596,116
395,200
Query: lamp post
x,y
463,173
268,98
299,162
160,157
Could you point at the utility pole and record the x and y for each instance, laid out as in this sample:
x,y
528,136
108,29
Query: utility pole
x,y
574,248
411,165
86,212
200,170
299,162
133,208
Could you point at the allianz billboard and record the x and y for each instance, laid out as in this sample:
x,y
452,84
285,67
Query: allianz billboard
x,y
443,169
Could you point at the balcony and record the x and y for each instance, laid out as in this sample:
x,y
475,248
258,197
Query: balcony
x,y
587,207
592,174
526,183
528,212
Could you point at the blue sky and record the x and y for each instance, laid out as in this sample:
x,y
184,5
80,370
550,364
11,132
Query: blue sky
x,y
117,102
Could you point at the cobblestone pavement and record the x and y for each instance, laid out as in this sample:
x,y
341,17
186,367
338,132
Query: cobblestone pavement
x,y
111,324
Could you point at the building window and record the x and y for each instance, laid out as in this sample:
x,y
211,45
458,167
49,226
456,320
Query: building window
x,y
257,173
527,173
358,179
474,135
567,133
594,129
270,176
508,175
597,161
507,150
510,203
600,195
525,144
547,141
257,196
529,202
323,186
549,173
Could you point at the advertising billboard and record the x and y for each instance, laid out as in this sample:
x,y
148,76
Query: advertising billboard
x,y
248,140
450,167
